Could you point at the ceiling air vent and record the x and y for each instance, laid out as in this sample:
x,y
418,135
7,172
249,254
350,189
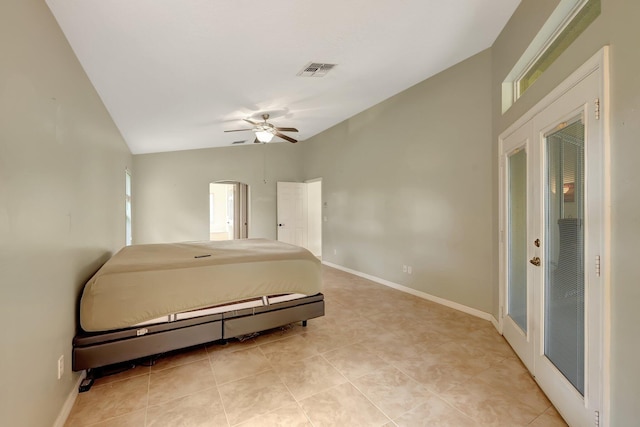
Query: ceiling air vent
x,y
316,69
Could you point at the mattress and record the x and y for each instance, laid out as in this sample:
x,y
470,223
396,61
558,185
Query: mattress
x,y
141,283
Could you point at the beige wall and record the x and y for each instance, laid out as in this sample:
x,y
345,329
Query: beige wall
x,y
171,190
62,170
618,27
409,182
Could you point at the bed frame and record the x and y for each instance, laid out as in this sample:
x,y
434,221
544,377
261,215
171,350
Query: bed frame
x,y
97,350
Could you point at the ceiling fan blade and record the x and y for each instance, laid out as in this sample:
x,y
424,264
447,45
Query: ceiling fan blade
x,y
251,121
237,130
285,137
287,129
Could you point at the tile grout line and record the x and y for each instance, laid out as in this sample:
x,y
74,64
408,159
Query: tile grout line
x,y
356,387
146,409
215,381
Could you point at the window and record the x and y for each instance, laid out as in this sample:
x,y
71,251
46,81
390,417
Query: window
x,y
565,24
127,209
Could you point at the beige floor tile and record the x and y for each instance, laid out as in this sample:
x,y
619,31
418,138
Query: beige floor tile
x,y
488,342
355,360
434,412
289,416
309,376
342,405
394,346
550,418
218,348
468,361
325,340
336,316
436,373
355,330
254,396
393,392
279,333
172,383
136,371
109,401
179,357
201,409
132,419
511,377
232,366
289,349
489,406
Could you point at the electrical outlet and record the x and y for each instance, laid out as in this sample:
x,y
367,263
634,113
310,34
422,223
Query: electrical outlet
x,y
409,269
60,366
404,268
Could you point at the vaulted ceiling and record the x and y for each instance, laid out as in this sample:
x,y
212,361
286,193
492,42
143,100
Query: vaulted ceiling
x,y
174,74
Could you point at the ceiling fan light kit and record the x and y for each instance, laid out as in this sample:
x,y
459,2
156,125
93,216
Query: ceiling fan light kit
x,y
264,136
266,131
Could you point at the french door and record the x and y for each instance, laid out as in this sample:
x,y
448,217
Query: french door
x,y
553,244
517,325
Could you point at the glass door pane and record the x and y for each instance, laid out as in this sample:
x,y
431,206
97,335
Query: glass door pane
x,y
564,251
517,238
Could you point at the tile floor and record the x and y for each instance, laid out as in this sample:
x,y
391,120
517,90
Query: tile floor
x,y
379,357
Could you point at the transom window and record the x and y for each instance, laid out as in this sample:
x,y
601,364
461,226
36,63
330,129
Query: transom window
x,y
566,23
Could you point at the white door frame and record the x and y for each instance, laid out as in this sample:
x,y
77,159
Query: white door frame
x,y
314,210
598,64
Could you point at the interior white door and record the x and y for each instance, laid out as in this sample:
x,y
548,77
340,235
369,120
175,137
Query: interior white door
x,y
292,213
569,341
517,225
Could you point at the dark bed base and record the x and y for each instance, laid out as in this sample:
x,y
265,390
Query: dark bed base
x,y
96,350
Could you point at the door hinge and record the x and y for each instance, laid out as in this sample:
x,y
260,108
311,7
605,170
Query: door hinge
x,y
596,420
597,108
598,265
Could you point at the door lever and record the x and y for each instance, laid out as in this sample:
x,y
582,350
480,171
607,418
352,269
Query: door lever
x,y
535,261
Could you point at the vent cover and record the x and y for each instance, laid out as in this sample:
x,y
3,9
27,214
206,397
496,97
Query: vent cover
x,y
316,69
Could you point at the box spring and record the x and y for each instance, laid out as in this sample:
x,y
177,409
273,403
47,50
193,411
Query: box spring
x,y
94,350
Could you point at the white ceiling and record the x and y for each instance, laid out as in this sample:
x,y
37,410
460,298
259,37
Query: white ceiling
x,y
174,74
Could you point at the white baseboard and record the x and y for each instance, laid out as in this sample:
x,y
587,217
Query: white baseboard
x,y
68,404
451,304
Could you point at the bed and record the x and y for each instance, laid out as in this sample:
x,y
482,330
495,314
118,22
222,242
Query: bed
x,y
151,299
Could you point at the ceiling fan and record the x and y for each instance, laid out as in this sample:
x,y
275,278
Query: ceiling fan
x,y
266,131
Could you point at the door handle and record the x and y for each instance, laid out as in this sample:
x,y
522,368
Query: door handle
x,y
535,261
